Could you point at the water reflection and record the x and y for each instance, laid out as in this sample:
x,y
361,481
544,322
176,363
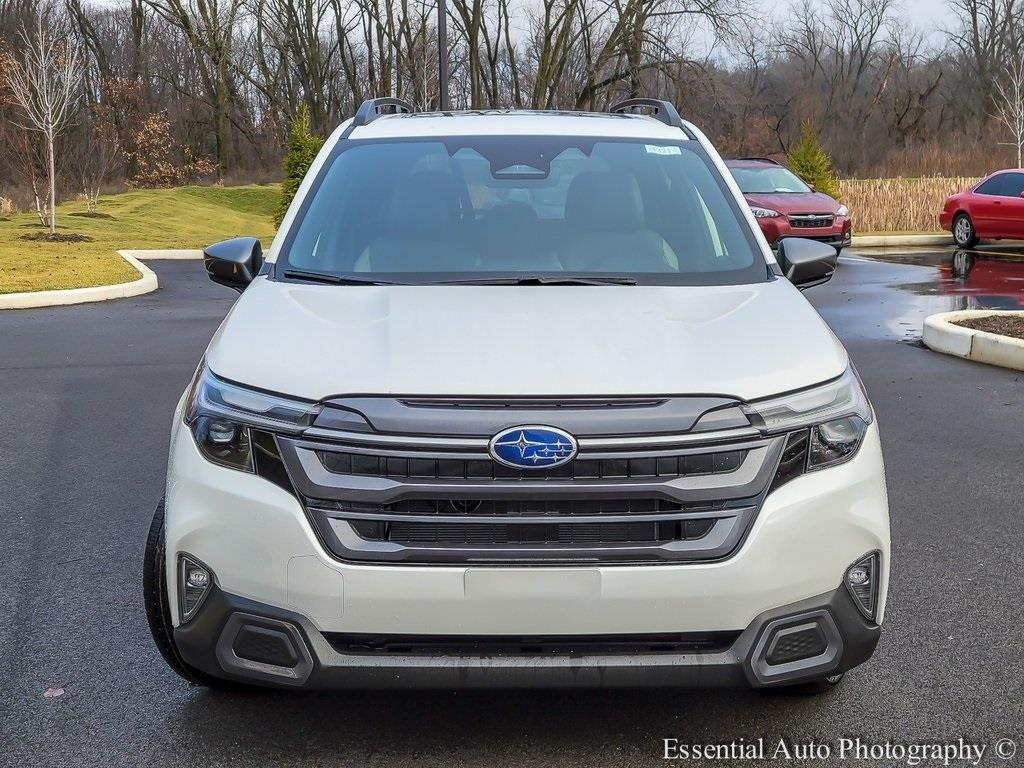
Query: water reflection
x,y
975,279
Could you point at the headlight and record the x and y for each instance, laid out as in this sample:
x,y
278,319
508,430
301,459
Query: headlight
x,y
223,416
837,414
763,213
843,211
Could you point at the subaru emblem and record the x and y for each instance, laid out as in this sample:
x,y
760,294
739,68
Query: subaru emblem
x,y
533,447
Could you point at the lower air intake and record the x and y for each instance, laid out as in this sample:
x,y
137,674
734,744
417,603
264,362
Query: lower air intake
x,y
266,646
795,643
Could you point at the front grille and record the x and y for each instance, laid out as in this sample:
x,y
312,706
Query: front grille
x,y
401,468
429,533
432,494
810,221
514,645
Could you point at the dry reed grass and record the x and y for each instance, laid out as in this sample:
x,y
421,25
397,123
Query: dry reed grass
x,y
899,204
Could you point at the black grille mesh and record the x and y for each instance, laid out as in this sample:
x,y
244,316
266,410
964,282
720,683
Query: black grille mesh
x,y
268,646
485,469
419,533
801,644
818,221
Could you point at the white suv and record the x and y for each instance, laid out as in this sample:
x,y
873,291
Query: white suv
x,y
516,399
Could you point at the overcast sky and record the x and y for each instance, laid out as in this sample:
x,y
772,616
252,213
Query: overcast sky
x,y
924,13
928,12
929,16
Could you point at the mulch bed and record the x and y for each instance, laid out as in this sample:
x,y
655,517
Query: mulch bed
x,y
91,214
1004,325
59,237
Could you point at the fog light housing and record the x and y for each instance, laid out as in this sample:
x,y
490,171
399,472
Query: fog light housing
x,y
194,582
861,581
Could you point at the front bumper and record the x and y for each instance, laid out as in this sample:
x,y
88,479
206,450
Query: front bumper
x,y
240,639
270,568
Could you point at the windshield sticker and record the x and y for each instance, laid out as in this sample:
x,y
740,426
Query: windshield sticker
x,y
654,149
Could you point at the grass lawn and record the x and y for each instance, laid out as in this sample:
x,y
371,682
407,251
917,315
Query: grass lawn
x,y
185,217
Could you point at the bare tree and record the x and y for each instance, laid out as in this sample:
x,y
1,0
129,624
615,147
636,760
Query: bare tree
x,y
1009,103
45,84
209,28
93,154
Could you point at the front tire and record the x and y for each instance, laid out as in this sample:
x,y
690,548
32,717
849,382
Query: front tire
x,y
154,589
963,231
819,686
808,688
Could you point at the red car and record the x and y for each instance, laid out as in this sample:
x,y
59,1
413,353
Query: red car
x,y
993,208
785,206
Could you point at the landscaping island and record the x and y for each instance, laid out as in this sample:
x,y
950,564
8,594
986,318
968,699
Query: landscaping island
x,y
85,252
1011,325
995,337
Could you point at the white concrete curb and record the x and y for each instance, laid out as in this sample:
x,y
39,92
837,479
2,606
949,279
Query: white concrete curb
x,y
886,241
942,335
145,284
169,253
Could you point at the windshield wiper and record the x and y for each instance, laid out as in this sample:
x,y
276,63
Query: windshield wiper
x,y
544,280
326,277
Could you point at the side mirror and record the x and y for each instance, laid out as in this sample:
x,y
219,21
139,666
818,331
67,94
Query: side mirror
x,y
806,262
234,262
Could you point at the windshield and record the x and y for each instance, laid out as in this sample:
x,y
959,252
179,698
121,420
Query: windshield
x,y
547,209
768,180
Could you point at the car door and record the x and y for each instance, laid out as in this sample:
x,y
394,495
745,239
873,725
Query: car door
x,y
1010,213
986,204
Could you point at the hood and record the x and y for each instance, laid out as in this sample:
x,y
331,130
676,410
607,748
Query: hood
x,y
792,202
314,341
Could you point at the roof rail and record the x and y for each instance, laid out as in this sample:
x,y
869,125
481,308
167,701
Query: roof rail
x,y
370,109
761,160
663,110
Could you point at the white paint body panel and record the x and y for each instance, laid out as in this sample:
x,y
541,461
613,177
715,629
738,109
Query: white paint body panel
x,y
316,341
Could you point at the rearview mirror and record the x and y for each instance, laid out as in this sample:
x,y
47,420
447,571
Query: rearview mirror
x,y
234,262
806,262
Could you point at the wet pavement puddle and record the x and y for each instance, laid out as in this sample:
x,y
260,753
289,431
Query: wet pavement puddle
x,y
976,279
888,293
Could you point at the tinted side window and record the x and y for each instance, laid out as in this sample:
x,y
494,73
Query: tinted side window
x,y
993,186
1013,184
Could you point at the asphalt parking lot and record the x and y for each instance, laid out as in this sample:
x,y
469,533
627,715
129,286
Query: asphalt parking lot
x,y
87,396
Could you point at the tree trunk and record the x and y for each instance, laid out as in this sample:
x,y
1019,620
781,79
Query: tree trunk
x,y
53,183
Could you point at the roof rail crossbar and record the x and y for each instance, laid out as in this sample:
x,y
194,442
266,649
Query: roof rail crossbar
x,y
371,109
663,110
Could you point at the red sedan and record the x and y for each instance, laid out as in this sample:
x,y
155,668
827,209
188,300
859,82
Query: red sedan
x,y
991,209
